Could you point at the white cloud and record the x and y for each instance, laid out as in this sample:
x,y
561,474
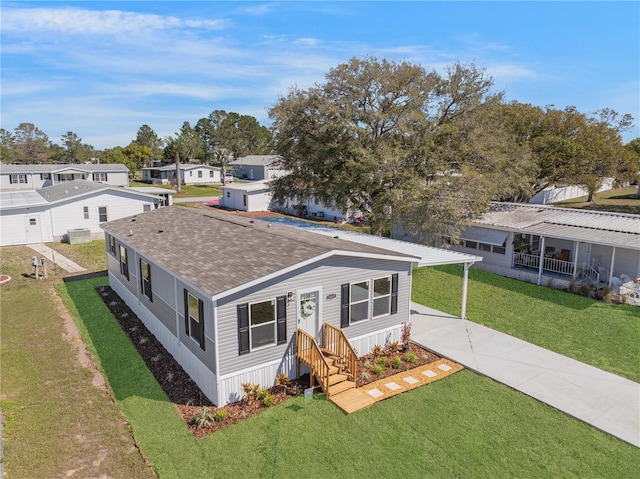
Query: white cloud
x,y
71,21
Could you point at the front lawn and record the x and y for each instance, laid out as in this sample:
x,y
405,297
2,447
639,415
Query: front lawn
x,y
603,335
462,426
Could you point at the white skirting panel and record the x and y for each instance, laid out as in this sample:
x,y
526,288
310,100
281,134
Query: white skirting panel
x,y
264,375
201,375
364,344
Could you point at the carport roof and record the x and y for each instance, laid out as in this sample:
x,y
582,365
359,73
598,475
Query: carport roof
x,y
597,227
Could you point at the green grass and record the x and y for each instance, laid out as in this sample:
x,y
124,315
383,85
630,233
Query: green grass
x,y
462,426
604,335
55,421
620,200
88,255
188,191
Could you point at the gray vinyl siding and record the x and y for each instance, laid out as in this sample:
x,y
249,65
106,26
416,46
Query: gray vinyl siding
x,y
329,275
207,356
162,292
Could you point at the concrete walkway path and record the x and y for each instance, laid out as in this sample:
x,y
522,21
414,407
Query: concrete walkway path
x,y
606,401
55,257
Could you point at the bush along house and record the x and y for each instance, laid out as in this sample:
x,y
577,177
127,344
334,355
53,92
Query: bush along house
x,y
238,300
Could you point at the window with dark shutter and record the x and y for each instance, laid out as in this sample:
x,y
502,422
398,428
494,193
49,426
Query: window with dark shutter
x,y
145,279
194,318
124,265
243,328
281,308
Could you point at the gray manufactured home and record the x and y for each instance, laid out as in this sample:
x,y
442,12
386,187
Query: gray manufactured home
x,y
226,294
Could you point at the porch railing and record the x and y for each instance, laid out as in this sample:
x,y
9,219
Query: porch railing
x,y
335,341
309,353
551,265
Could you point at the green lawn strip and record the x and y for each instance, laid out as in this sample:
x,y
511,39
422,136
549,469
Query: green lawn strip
x,y
620,200
55,420
603,335
462,426
188,191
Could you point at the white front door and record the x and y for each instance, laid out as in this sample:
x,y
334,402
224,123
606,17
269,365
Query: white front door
x,y
33,229
309,311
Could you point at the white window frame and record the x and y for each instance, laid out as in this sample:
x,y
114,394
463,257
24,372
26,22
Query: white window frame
x,y
106,213
64,177
100,176
388,296
196,318
18,179
361,301
274,324
85,212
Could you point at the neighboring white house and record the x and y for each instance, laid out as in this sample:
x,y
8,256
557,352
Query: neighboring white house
x,y
48,214
258,167
257,196
189,174
254,196
34,177
539,243
553,194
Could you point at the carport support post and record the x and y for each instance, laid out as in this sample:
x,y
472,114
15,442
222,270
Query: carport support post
x,y
465,282
541,265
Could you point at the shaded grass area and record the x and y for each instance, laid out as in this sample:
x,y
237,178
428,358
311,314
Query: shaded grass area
x,y
603,335
619,200
462,426
56,423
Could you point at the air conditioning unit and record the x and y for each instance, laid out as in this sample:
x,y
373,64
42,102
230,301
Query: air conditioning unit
x,y
79,235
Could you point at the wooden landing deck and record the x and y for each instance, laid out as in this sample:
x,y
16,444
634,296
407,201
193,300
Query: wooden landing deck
x,y
357,399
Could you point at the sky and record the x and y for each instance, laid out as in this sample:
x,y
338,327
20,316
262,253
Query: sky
x,y
103,69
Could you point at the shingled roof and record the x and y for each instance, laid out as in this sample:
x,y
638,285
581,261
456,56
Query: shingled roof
x,y
218,252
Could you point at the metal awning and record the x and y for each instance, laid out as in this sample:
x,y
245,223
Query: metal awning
x,y
484,235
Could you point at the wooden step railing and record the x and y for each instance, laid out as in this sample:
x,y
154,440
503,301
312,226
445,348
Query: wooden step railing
x,y
310,354
335,341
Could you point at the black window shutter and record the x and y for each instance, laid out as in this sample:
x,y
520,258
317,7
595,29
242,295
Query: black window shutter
x,y
281,320
344,306
150,290
186,312
243,328
394,293
201,316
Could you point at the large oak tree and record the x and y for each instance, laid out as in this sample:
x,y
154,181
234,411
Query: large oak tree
x,y
395,139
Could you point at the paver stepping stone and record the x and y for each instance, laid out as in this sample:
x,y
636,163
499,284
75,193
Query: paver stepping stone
x,y
444,367
410,380
429,373
375,393
393,386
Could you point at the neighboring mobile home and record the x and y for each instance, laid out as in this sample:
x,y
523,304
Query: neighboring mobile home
x,y
189,174
34,177
258,167
48,214
226,294
539,244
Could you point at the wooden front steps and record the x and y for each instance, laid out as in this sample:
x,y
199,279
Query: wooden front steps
x,y
333,365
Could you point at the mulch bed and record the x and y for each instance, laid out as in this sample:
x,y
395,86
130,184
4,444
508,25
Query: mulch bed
x,y
185,394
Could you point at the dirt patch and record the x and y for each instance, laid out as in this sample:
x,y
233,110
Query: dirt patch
x,y
187,397
72,335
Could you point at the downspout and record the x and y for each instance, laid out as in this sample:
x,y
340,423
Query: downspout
x,y
465,282
541,260
215,347
613,258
